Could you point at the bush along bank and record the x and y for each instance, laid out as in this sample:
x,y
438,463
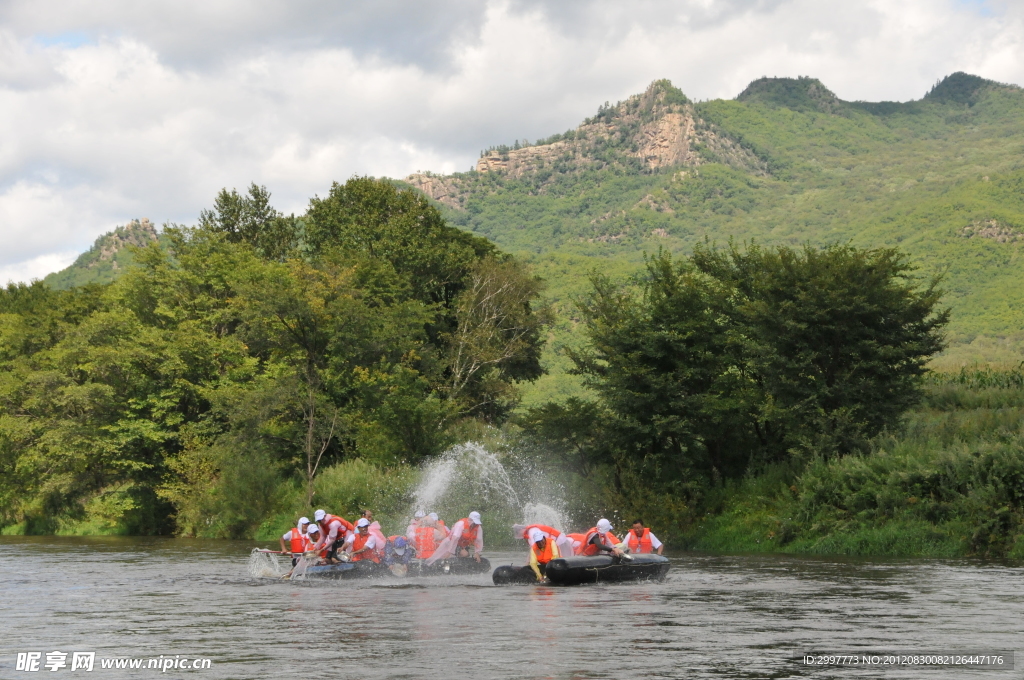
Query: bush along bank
x,y
949,482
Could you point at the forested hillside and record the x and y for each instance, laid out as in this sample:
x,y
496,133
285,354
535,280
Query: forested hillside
x,y
244,366
787,162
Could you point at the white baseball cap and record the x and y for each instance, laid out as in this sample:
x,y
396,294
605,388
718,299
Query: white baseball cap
x,y
420,513
363,522
474,517
433,516
303,520
319,515
313,529
603,526
536,535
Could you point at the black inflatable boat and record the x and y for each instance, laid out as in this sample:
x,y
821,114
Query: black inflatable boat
x,y
368,569
571,571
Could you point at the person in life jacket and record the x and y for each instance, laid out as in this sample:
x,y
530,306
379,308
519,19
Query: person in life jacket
x,y
334,531
313,537
600,539
542,551
561,539
425,536
362,545
467,533
640,540
398,551
439,524
294,540
376,532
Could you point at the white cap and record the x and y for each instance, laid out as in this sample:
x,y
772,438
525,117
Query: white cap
x,y
303,520
419,513
433,516
313,529
536,535
603,526
363,522
319,515
474,517
400,551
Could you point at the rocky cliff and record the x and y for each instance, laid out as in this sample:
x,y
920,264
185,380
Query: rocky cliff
x,y
647,132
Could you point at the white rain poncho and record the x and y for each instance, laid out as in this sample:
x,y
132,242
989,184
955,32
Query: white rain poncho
x,y
450,545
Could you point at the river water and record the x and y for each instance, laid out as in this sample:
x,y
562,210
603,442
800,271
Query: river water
x,y
716,616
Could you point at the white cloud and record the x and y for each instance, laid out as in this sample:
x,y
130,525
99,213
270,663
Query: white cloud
x,y
124,110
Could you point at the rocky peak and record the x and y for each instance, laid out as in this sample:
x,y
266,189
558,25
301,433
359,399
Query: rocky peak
x,y
138,232
656,129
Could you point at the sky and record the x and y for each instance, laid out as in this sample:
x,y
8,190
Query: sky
x,y
120,109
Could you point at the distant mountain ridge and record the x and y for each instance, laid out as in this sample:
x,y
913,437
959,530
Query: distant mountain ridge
x,y
785,162
107,258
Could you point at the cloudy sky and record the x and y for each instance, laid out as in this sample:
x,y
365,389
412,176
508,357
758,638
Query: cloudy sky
x,y
119,109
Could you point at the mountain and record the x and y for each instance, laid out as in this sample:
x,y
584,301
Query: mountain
x,y
107,258
786,162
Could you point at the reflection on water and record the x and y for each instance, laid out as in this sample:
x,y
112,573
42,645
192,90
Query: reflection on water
x,y
714,617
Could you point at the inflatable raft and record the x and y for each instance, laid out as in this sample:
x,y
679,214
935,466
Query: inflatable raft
x,y
368,569
571,571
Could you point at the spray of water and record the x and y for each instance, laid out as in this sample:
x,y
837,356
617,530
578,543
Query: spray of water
x,y
470,477
264,565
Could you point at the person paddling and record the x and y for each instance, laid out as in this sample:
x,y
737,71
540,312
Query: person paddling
x,y
641,541
334,532
294,540
467,533
426,536
542,551
362,545
562,540
600,539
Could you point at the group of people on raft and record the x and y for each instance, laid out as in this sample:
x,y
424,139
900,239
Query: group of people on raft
x,y
334,539
547,543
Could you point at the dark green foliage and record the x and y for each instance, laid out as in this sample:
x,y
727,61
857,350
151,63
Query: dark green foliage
x,y
251,219
374,218
799,94
206,389
732,360
959,88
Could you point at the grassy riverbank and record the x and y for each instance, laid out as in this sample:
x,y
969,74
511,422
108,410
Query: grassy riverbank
x,y
949,483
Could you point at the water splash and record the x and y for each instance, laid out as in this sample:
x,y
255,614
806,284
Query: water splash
x,y
264,565
469,477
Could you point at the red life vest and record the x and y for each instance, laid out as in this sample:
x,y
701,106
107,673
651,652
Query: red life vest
x,y
550,531
358,541
469,532
589,548
641,544
547,554
577,538
344,526
424,542
299,541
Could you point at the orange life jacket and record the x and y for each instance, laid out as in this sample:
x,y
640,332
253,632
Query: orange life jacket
x,y
358,541
641,544
469,532
550,531
544,556
299,541
577,538
589,548
344,526
424,542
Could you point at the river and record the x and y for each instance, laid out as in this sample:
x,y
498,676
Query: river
x,y
715,616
